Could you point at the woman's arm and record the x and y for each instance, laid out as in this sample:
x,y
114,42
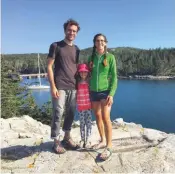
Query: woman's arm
x,y
114,80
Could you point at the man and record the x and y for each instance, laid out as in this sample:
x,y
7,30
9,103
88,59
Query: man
x,y
64,55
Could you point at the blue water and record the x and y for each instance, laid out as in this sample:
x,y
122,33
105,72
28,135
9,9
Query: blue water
x,y
147,102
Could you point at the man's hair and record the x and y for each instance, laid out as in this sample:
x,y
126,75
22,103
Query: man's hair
x,y
71,22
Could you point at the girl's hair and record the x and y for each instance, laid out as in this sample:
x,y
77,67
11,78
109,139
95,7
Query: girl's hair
x,y
94,50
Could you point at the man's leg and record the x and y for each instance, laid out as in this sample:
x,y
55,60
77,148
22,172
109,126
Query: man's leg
x,y
69,117
58,110
70,112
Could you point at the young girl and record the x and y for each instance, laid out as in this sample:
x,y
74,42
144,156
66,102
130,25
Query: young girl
x,y
84,105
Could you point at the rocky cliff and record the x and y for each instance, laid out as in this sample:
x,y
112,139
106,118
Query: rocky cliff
x,y
26,147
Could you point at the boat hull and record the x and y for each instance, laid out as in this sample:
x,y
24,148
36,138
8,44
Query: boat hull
x,y
37,87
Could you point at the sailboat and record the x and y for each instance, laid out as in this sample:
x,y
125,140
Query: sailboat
x,y
39,86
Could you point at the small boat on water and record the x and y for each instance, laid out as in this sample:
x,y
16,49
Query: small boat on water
x,y
39,86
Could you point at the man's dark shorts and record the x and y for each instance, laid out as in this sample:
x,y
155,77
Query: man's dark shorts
x,y
97,96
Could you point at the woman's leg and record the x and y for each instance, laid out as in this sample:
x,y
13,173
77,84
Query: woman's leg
x,y
107,123
96,106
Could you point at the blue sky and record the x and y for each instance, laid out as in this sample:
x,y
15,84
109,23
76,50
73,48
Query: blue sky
x,y
30,26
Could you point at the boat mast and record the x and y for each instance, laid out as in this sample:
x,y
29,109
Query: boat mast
x,y
39,70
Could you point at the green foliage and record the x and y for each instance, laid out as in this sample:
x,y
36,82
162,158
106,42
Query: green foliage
x,y
43,114
14,99
25,63
130,61
17,101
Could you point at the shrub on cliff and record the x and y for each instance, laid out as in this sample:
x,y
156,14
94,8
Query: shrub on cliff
x,y
17,101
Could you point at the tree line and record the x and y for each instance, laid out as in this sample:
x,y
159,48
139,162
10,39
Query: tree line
x,y
130,61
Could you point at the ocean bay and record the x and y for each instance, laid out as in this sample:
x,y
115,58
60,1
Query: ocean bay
x,y
147,102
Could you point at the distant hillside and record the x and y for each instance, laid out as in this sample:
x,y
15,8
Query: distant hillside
x,y
130,61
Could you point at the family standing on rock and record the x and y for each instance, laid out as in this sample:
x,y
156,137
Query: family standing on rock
x,y
85,86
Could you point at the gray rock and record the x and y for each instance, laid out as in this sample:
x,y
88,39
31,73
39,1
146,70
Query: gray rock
x,y
118,123
4,125
27,148
154,135
76,123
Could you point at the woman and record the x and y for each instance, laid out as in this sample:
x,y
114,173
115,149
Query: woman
x,y
103,84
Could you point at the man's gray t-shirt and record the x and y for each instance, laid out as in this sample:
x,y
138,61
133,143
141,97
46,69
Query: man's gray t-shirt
x,y
65,64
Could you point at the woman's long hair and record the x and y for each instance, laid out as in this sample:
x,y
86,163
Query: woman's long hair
x,y
94,50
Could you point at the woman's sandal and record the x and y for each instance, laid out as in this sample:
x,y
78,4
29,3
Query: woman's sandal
x,y
100,145
58,148
105,155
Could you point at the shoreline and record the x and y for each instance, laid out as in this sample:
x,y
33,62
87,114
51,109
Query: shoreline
x,y
147,77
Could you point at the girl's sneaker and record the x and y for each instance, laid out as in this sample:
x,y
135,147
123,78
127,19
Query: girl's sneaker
x,y
82,144
88,145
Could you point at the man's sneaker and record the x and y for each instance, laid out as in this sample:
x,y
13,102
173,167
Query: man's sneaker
x,y
58,148
70,144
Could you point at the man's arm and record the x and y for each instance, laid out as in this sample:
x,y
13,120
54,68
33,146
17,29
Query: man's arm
x,y
50,62
54,90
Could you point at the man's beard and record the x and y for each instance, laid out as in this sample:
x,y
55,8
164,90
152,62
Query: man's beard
x,y
68,38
